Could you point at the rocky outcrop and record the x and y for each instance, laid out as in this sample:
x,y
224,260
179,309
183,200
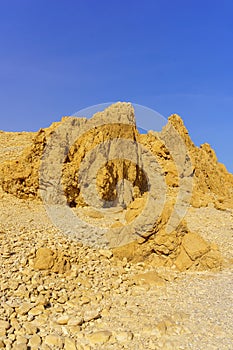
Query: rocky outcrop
x,y
212,182
104,163
46,259
20,176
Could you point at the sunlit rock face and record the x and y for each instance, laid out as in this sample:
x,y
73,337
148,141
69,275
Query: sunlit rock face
x,y
105,170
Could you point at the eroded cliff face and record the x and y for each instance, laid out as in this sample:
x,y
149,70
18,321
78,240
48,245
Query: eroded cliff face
x,y
20,175
212,182
120,168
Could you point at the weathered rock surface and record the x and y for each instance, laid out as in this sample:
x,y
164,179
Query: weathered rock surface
x,y
115,174
212,182
163,290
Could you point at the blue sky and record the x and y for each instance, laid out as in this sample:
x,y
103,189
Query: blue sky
x,y
59,56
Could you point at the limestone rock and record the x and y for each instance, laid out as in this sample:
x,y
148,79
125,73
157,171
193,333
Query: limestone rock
x,y
115,181
90,315
4,324
62,320
123,336
183,261
37,310
44,259
69,344
100,337
24,308
35,341
150,278
106,253
75,321
212,182
61,264
54,341
211,260
194,245
19,346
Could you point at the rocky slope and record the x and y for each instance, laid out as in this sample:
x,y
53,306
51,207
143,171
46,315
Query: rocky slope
x,y
165,286
113,177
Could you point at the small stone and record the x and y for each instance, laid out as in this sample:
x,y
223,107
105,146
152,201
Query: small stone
x,y
11,336
45,347
4,324
75,321
194,245
2,332
35,341
54,340
19,346
8,309
90,315
30,328
162,328
74,330
13,285
107,253
85,300
15,324
24,308
62,299
105,312
37,310
20,339
150,278
41,300
183,261
44,259
62,320
100,337
69,344
123,336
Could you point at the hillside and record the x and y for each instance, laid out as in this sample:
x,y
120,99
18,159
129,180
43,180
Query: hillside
x,y
114,239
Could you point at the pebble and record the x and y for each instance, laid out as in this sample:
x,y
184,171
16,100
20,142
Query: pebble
x,y
24,308
54,340
63,320
75,321
90,315
35,341
19,346
37,310
123,336
106,253
69,344
100,337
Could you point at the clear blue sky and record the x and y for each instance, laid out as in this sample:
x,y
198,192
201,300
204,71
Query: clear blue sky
x,y
59,56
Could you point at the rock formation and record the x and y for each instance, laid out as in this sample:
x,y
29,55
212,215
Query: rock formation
x,y
103,164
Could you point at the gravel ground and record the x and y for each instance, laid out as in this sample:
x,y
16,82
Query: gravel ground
x,y
97,305
214,226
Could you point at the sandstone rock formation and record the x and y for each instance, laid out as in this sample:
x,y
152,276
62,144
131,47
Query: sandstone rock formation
x,y
212,182
104,163
46,259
